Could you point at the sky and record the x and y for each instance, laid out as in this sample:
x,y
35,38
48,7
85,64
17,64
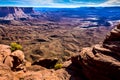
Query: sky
x,y
59,3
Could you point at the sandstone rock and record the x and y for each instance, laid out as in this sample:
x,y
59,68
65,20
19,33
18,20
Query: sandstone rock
x,y
35,68
62,74
10,13
112,41
9,61
16,60
4,52
66,64
19,54
44,75
33,72
5,72
101,62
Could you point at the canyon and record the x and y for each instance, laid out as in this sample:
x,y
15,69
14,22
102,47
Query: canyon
x,y
56,36
98,62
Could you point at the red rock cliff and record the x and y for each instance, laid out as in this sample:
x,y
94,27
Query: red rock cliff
x,y
102,61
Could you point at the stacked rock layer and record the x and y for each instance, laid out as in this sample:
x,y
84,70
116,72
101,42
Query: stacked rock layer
x,y
102,61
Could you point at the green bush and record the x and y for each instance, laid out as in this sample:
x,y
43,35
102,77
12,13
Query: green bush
x,y
15,46
58,66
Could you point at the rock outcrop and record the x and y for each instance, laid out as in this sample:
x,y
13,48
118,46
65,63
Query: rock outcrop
x,y
11,59
9,62
4,52
102,61
15,60
5,72
12,13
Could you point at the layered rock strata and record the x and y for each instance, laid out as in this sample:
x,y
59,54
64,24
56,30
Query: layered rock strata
x,y
102,61
12,13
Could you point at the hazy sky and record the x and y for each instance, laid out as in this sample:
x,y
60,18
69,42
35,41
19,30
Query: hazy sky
x,y
59,3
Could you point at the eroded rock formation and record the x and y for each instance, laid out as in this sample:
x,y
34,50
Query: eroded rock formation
x,y
102,61
17,68
11,13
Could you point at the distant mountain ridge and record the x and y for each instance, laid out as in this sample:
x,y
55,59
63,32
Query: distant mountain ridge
x,y
11,13
88,16
100,16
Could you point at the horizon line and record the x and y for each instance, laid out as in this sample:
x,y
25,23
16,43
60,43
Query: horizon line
x,y
60,6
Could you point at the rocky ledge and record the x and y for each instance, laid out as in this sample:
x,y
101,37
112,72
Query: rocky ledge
x,y
13,66
100,62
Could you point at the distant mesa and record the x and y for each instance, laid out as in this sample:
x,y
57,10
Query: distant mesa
x,y
14,13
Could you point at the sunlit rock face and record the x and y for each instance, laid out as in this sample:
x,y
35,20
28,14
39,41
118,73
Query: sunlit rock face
x,y
102,61
12,13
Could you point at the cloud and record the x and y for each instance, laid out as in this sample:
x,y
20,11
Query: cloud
x,y
111,3
59,3
25,2
79,2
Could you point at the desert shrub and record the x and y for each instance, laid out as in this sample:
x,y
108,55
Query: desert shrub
x,y
58,66
15,46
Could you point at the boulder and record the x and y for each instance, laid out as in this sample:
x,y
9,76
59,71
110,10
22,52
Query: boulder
x,y
19,54
9,61
4,52
16,60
